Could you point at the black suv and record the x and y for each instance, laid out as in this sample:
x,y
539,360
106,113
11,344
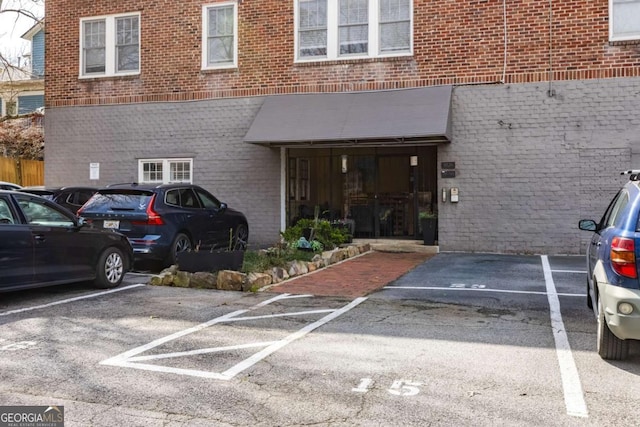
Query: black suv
x,y
162,220
71,198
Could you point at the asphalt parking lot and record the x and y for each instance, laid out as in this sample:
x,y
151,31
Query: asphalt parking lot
x,y
465,339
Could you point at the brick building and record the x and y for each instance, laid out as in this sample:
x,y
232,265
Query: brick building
x,y
371,110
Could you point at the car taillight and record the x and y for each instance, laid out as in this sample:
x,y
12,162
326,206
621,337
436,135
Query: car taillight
x,y
153,218
623,257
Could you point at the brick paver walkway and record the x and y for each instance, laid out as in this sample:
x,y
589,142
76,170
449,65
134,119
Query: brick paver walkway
x,y
354,277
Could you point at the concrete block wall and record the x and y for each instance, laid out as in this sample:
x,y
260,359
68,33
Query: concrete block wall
x,y
530,165
245,176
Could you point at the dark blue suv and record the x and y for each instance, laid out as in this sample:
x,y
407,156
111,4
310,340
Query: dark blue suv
x,y
613,257
162,220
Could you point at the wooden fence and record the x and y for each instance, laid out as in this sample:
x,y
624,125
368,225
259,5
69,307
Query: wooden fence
x,y
22,171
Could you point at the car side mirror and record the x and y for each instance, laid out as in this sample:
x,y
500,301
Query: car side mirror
x,y
223,207
587,225
80,221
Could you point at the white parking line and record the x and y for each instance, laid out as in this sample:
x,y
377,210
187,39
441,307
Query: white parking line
x,y
130,359
505,291
572,387
271,316
201,351
569,271
51,304
299,334
573,394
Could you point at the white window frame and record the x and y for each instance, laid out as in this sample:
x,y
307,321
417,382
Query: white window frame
x,y
333,48
617,36
205,32
25,93
166,170
110,46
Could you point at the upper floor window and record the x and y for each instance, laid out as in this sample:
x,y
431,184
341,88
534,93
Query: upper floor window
x,y
624,22
220,37
110,45
312,28
164,171
333,29
353,26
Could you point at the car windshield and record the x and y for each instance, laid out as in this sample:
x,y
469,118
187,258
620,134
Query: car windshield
x,y
120,200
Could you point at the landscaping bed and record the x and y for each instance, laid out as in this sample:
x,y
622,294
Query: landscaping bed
x,y
260,269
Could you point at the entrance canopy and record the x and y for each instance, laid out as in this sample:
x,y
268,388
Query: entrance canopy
x,y
405,116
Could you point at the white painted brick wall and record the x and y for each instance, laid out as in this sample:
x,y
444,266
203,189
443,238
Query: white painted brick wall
x,y
245,176
528,166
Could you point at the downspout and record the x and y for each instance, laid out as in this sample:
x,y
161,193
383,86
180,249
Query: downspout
x,y
504,20
551,92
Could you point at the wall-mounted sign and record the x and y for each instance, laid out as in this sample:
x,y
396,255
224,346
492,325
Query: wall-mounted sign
x,y
447,174
94,171
448,165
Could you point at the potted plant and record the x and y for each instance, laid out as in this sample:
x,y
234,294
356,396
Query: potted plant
x,y
212,260
429,225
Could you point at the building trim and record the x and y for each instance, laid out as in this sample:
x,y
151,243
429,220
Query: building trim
x,y
540,76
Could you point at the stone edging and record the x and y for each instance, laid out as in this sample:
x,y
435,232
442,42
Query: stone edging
x,y
236,281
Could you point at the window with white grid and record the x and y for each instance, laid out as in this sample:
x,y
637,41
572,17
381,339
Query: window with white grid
x,y
165,171
220,35
151,172
110,45
345,29
180,171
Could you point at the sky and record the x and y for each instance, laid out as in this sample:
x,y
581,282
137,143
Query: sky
x,y
13,26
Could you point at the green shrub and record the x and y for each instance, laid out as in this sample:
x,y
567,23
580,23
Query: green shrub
x,y
260,261
328,236
316,246
324,236
254,262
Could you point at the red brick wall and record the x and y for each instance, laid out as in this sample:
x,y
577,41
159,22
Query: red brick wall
x,y
455,42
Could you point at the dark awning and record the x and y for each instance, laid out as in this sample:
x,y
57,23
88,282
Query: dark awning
x,y
369,118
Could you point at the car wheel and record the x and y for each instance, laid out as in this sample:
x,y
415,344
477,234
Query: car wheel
x,y
241,238
181,243
110,269
589,302
609,346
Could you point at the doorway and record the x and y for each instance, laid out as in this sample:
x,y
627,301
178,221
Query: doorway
x,y
378,191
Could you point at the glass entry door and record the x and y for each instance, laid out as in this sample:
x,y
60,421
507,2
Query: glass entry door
x,y
377,190
395,196
359,193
